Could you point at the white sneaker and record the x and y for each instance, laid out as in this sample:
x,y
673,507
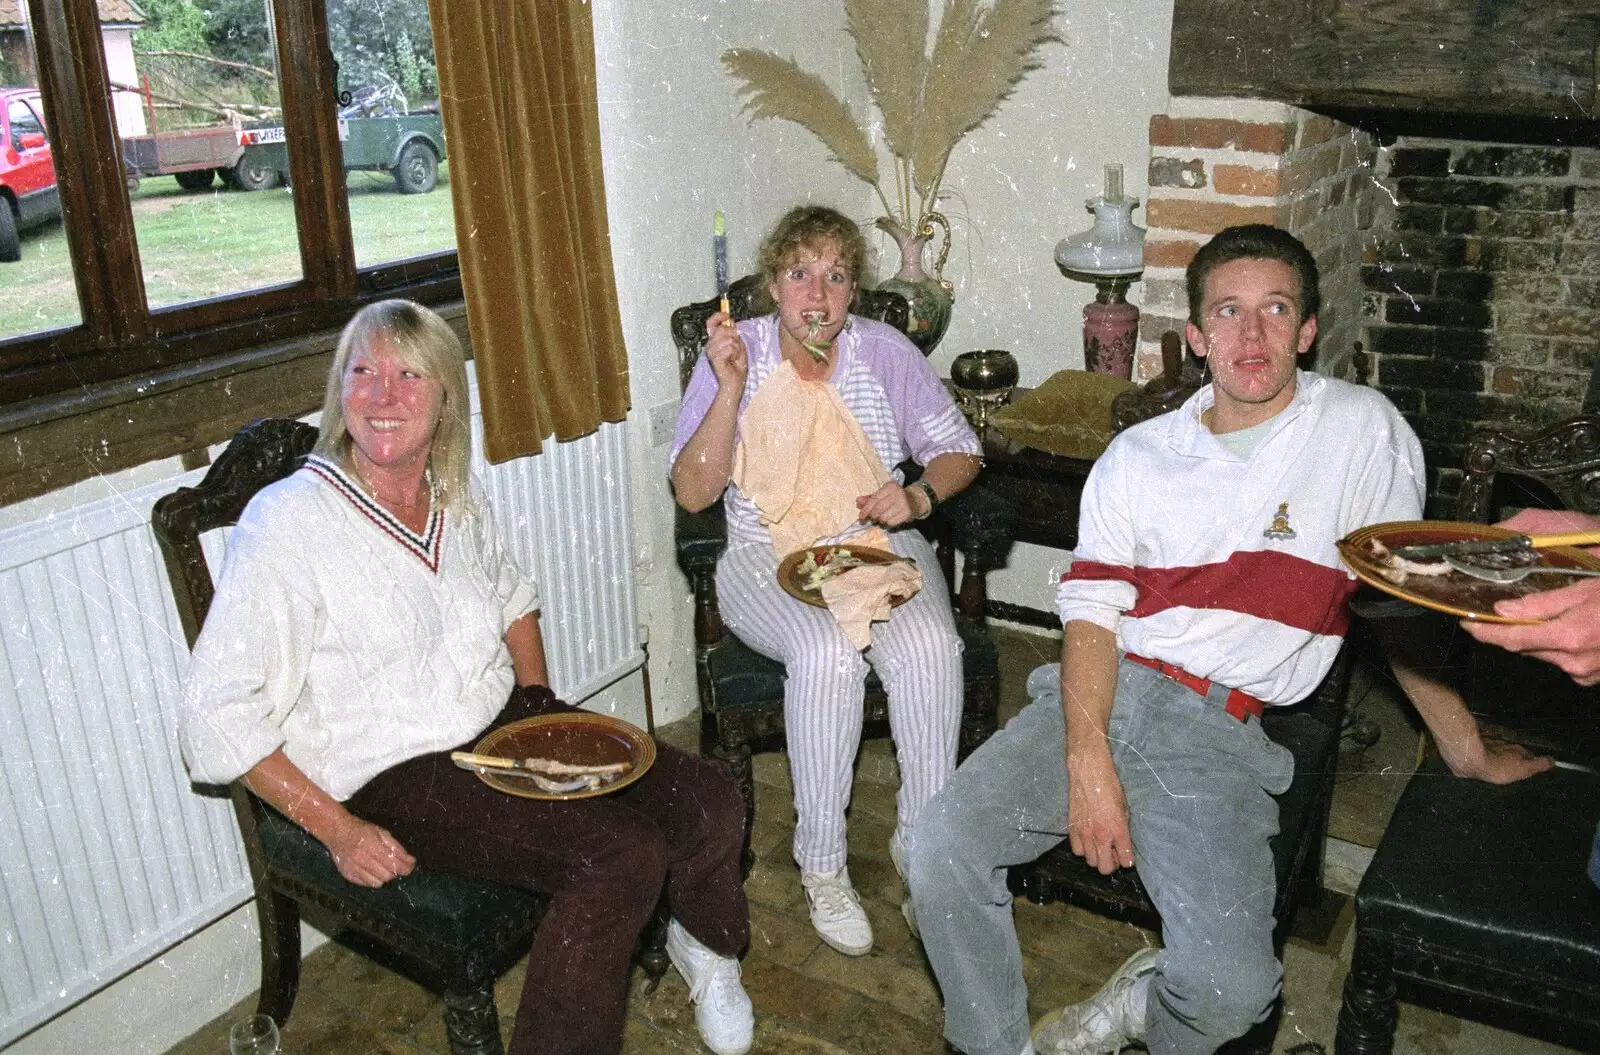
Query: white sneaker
x,y
1105,1022
721,1007
836,911
897,854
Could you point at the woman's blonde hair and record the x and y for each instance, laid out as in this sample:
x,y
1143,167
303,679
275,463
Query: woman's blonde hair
x,y
812,227
425,343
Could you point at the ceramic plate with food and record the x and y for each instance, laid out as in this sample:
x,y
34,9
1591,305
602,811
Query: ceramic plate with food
x,y
1432,583
802,573
566,756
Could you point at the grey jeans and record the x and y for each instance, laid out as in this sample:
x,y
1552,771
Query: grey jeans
x,y
1199,786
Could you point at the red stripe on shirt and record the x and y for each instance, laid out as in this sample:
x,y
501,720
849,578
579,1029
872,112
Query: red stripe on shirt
x,y
1279,587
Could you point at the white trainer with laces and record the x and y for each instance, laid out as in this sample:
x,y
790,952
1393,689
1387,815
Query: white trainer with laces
x,y
1107,1021
722,1009
836,911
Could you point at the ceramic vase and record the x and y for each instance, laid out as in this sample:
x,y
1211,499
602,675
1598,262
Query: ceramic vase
x,y
1110,332
929,296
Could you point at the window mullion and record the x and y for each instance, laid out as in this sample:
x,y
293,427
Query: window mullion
x,y
87,152
316,164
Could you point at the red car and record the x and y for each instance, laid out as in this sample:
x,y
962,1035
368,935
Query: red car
x,y
27,170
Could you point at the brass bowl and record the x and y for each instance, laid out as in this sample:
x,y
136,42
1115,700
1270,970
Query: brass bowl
x,y
988,370
983,380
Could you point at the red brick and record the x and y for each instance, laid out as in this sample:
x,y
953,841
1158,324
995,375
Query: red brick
x,y
1214,133
1169,254
1242,179
1206,217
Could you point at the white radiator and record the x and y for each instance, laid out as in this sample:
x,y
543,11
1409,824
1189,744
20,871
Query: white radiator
x,y
107,855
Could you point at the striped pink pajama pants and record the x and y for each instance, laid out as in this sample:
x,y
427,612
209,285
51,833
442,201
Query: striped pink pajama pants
x,y
917,655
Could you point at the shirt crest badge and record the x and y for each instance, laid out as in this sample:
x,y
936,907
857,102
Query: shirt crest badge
x,y
1279,528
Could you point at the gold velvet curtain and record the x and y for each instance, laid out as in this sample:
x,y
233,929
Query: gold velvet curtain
x,y
517,88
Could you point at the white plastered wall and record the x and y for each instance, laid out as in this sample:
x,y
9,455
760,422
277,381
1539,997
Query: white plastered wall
x,y
675,151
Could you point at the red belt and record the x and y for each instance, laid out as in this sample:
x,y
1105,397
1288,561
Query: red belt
x,y
1240,704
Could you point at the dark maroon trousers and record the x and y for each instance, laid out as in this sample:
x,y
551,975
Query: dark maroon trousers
x,y
601,861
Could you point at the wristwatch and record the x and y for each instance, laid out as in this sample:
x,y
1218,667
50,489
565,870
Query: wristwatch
x,y
930,494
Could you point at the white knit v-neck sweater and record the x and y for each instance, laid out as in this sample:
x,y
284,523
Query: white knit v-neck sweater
x,y
348,640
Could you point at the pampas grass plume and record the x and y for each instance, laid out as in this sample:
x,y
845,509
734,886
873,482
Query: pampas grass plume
x,y
928,101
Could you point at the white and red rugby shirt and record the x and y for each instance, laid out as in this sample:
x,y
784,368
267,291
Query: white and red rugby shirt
x,y
1228,567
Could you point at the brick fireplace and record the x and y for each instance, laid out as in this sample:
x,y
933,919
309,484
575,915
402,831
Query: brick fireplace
x,y
1470,271
1219,162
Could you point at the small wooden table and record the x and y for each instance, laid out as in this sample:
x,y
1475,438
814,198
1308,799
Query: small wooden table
x,y
1045,490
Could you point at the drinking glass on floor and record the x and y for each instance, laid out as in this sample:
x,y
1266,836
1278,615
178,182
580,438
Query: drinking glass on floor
x,y
256,1035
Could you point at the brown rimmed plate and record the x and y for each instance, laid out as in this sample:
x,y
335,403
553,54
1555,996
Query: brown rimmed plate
x,y
1455,593
582,739
789,569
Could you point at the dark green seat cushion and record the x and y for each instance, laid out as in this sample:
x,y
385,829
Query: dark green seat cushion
x,y
437,915
1492,873
745,678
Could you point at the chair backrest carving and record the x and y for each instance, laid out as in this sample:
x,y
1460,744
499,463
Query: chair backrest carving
x,y
747,298
1178,381
1564,458
261,453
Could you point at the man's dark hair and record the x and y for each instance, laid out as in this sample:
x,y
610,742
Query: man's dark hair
x,y
1255,241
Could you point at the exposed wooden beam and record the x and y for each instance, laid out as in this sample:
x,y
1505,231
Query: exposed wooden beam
x,y
1510,58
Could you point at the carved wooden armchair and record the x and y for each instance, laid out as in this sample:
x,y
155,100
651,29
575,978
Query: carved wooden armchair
x,y
454,934
741,691
1476,901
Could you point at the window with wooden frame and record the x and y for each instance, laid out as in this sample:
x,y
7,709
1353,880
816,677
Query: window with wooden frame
x,y
274,238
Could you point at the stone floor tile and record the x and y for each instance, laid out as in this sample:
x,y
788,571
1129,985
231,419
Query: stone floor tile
x,y
774,881
799,1001
772,835
874,801
347,1036
784,937
508,990
431,1037
880,977
770,769
668,1010
388,999
1075,939
641,1037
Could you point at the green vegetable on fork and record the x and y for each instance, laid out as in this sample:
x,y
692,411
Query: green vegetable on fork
x,y
814,342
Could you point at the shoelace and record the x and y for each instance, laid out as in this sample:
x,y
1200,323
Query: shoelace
x,y
836,898
1098,1023
720,983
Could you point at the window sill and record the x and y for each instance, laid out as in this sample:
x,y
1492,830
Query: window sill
x,y
56,441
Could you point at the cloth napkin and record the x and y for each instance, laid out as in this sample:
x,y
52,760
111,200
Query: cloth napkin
x,y
803,459
865,595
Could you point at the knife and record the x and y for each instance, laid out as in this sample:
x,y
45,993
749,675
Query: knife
x,y
468,760
1514,544
515,767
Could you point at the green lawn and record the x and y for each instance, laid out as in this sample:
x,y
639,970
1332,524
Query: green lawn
x,y
194,245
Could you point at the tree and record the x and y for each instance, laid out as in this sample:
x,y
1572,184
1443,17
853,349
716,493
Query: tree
x,y
172,25
384,41
237,30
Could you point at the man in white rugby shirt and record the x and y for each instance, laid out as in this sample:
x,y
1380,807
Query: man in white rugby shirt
x,y
1206,586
